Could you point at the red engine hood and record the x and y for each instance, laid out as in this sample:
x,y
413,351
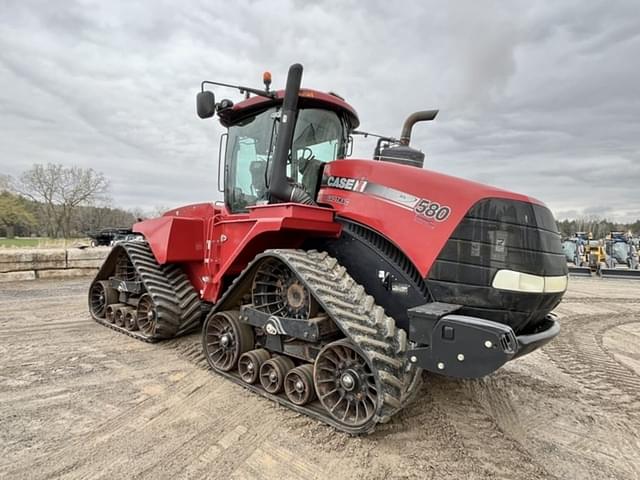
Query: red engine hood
x,y
416,209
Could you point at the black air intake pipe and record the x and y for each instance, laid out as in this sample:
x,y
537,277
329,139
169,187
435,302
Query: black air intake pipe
x,y
423,116
279,186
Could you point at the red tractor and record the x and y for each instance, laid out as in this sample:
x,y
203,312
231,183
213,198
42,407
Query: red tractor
x,y
328,283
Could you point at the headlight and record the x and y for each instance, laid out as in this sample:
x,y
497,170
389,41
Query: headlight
x,y
525,282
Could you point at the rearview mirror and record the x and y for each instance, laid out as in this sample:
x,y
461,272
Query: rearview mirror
x,y
206,104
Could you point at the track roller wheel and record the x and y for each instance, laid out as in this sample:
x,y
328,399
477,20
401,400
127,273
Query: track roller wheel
x,y
101,295
298,385
146,315
225,338
120,314
112,311
130,320
250,363
345,384
273,373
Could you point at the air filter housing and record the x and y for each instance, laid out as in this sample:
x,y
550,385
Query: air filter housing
x,y
402,154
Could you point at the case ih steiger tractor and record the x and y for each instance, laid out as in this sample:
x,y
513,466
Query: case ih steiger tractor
x,y
328,283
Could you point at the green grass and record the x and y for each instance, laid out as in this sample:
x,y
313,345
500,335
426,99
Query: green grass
x,y
41,242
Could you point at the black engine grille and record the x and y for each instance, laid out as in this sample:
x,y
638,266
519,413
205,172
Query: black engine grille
x,y
499,234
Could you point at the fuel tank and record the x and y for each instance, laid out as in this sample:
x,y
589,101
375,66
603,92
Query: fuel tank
x,y
442,238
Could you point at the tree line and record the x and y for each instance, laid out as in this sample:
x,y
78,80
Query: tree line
x,y
599,227
60,202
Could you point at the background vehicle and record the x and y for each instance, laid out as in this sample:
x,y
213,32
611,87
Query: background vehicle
x,y
622,257
570,250
108,236
575,254
328,283
595,255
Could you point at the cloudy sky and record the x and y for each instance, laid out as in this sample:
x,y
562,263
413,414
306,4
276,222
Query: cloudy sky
x,y
538,97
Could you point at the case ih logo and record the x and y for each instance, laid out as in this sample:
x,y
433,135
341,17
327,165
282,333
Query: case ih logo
x,y
345,183
424,208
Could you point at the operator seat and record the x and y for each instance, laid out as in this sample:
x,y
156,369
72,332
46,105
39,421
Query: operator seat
x,y
311,170
258,169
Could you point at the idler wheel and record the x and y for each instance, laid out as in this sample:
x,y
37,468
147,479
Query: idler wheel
x,y
101,295
345,384
225,339
146,315
273,373
250,363
298,385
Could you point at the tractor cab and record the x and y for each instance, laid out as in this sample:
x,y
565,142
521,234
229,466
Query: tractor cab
x,y
320,136
320,127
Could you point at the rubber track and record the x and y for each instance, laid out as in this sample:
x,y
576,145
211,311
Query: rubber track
x,y
359,318
177,304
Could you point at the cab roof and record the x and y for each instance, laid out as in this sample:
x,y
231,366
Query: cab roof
x,y
308,99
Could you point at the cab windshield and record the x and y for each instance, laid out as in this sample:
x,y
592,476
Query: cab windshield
x,y
319,137
620,251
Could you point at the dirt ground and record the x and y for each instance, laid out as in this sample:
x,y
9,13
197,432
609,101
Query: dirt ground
x,y
78,400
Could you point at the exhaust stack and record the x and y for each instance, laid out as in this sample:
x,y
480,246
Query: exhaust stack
x,y
279,186
422,116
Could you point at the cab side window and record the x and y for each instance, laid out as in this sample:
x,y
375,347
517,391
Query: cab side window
x,y
246,161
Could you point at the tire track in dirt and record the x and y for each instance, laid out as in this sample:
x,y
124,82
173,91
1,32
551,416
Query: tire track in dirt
x,y
189,347
611,387
579,351
172,419
494,451
573,439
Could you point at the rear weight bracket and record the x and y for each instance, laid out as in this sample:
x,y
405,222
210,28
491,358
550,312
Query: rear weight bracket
x,y
458,345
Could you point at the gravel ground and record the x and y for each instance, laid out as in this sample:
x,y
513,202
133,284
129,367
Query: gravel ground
x,y
78,400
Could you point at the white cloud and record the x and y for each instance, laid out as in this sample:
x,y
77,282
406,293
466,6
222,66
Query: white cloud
x,y
541,98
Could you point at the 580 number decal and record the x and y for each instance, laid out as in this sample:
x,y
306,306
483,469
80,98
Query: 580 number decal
x,y
432,210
